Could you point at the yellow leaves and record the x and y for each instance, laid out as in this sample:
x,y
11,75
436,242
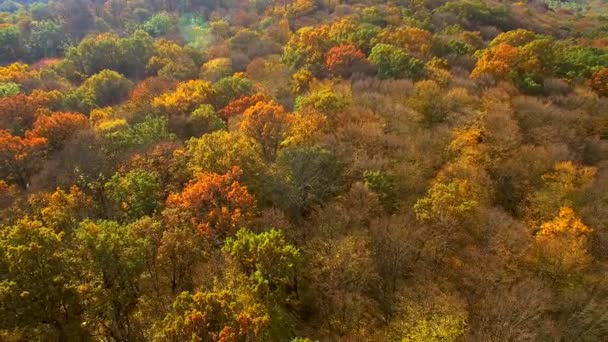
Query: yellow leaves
x,y
300,80
497,61
112,125
100,115
64,209
563,244
305,128
185,99
568,177
516,38
466,142
447,201
566,223
414,40
14,72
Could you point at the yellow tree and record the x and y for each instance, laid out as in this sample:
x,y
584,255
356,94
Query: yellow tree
x,y
185,99
563,243
497,61
565,185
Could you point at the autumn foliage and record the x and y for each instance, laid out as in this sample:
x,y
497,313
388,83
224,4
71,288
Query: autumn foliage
x,y
341,59
218,204
303,170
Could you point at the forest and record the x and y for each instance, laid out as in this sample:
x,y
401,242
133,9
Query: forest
x,y
304,170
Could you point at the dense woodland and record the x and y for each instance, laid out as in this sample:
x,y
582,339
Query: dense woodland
x,y
303,170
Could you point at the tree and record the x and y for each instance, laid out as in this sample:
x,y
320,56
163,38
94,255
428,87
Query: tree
x,y
10,43
107,87
136,193
563,242
599,82
392,62
216,69
342,275
438,317
565,185
385,186
221,150
238,106
9,89
205,120
267,259
94,54
58,128
143,93
323,99
497,62
20,111
20,157
342,60
186,98
160,24
307,48
38,285
112,259
307,176
47,39
118,136
62,210
231,88
136,50
268,124
171,61
516,38
216,315
414,40
218,204
347,31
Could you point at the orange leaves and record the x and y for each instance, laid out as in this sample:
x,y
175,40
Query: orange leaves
x,y
18,156
218,204
497,61
341,58
143,93
238,106
599,82
58,127
268,123
19,111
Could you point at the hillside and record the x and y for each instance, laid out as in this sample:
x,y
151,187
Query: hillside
x,y
303,170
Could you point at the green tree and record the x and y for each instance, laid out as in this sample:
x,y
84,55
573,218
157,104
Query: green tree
x,y
269,261
10,43
107,87
306,176
9,89
112,259
160,24
136,193
217,315
38,283
393,62
47,39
